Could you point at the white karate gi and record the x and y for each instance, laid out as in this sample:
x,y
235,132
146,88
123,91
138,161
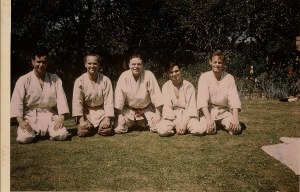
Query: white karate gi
x,y
176,110
137,94
95,102
219,96
38,106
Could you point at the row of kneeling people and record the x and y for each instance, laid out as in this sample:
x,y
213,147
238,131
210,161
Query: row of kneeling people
x,y
39,103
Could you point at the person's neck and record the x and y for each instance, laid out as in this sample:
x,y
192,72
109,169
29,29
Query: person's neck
x,y
136,77
218,75
40,75
177,83
93,77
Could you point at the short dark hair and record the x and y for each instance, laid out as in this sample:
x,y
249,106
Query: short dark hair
x,y
218,53
92,54
39,52
170,66
136,55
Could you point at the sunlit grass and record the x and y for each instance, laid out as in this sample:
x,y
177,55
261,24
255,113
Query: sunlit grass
x,y
143,161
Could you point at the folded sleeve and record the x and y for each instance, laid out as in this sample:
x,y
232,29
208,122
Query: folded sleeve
x,y
17,99
120,94
190,109
233,95
62,103
168,112
154,91
203,92
77,100
108,98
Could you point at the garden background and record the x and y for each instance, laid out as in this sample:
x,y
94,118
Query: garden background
x,y
260,34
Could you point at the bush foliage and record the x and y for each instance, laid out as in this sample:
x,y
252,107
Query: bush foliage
x,y
252,33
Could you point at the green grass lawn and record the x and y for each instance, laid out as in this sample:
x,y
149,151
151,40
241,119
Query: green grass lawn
x,y
143,161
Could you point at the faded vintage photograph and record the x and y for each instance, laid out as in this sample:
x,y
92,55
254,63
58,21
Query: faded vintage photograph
x,y
151,95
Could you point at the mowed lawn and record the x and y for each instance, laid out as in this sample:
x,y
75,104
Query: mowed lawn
x,y
143,161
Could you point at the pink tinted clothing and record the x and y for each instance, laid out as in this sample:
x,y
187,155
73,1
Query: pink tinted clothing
x,y
177,110
90,96
186,103
38,105
219,96
138,94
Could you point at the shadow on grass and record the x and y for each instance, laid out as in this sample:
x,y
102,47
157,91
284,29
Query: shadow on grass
x,y
93,132
138,129
72,133
221,127
243,126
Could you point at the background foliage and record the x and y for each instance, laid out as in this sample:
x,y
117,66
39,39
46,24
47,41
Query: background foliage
x,y
258,33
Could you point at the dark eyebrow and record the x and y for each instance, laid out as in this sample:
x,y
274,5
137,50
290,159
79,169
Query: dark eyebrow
x,y
174,71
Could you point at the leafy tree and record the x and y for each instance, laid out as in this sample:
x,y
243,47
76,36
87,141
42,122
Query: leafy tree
x,y
164,30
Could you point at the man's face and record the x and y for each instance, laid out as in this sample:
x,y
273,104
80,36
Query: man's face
x,y
92,64
40,64
136,66
175,74
217,64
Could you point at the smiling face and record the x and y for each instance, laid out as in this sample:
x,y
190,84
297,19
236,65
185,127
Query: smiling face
x,y
217,63
92,64
136,66
39,64
175,74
